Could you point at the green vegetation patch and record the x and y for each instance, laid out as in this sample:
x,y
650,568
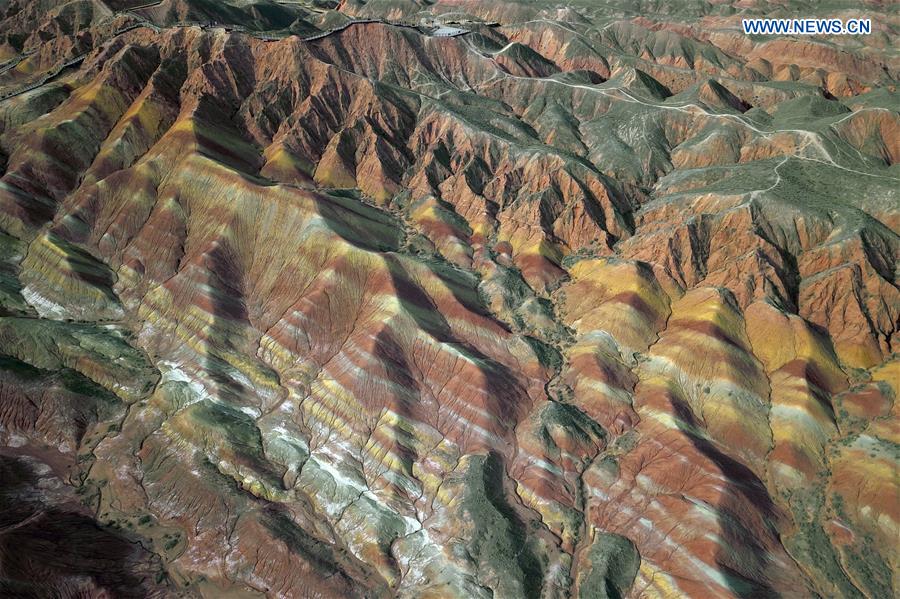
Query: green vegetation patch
x,y
613,563
100,353
499,544
811,546
798,111
11,301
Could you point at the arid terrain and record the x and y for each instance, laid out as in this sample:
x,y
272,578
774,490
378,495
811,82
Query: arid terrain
x,y
448,299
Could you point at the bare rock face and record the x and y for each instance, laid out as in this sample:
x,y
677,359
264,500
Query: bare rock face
x,y
311,299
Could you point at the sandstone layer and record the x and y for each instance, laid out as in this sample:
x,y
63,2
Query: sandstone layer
x,y
307,299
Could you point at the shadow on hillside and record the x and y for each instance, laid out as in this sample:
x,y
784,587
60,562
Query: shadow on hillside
x,y
742,488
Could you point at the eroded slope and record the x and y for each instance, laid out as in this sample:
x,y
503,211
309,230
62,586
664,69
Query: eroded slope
x,y
582,303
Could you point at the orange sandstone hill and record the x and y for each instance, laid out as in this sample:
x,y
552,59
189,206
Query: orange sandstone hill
x,y
307,298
